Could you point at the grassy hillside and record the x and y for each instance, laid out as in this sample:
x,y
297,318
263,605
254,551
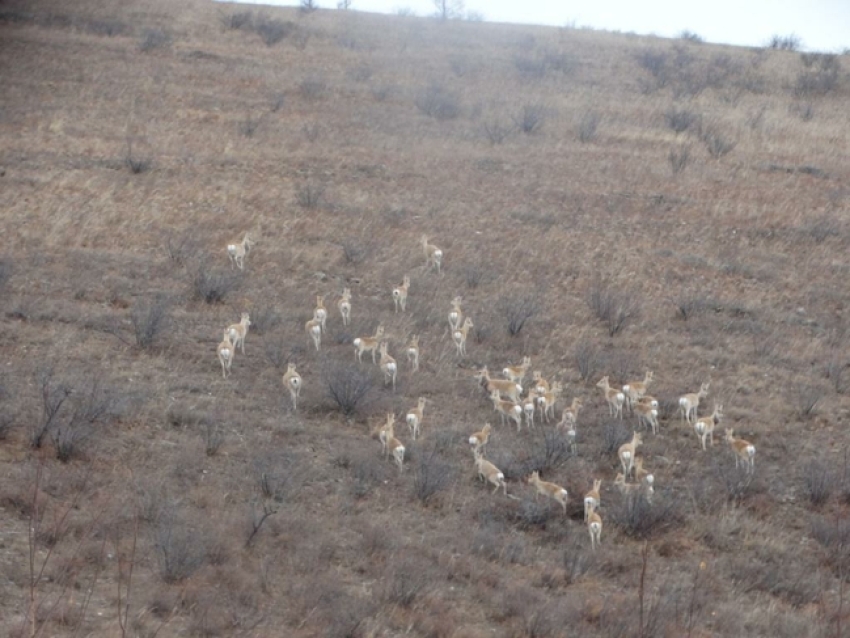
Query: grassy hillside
x,y
566,174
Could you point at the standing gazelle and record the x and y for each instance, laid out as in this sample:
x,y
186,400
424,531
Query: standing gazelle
x,y
414,417
478,440
388,365
594,528
592,499
364,344
238,331
314,329
551,490
292,382
225,354
627,454
344,306
507,409
517,373
689,403
704,427
413,352
646,414
391,444
237,250
745,452
321,313
489,472
433,255
614,397
507,388
400,294
460,335
634,390
455,314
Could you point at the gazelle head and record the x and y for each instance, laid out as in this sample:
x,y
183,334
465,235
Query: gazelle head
x,y
526,362
406,281
703,390
603,382
424,240
648,377
421,403
379,332
486,429
414,341
467,324
290,367
621,479
346,293
730,438
597,483
457,301
534,477
382,347
483,374
320,301
636,438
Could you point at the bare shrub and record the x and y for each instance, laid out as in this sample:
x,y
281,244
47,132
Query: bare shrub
x,y
476,273
588,359
257,519
588,126
688,305
313,87
137,165
348,385
438,102
154,39
308,6
656,64
835,369
679,158
690,36
89,405
638,518
544,451
213,285
6,271
680,120
496,131
818,482
272,30
150,319
805,111
354,251
405,582
181,248
616,308
180,548
264,319
806,398
249,125
213,437
309,195
716,142
823,227
530,515
530,118
431,475
278,475
614,434
241,20
784,42
518,310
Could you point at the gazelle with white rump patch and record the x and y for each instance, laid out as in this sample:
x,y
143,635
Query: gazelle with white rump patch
x,y
391,444
704,427
237,250
314,329
455,314
413,352
540,385
569,416
594,527
478,440
508,389
225,352
368,344
321,313
344,305
551,490
388,365
459,336
645,478
592,499
547,402
745,452
646,414
613,397
238,331
689,403
627,452
634,390
433,255
517,373
414,417
489,472
507,409
529,405
400,294
292,382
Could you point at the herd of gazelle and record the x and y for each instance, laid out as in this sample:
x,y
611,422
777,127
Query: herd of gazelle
x,y
505,393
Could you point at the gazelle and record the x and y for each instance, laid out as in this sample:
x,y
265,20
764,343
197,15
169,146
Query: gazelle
x,y
225,354
237,250
459,336
745,452
614,397
489,472
571,437
433,255
634,390
517,373
344,306
388,365
569,416
627,453
541,385
292,381
238,331
594,527
391,444
509,389
551,490
314,329
529,405
548,400
414,417
400,294
370,344
646,413
592,499
704,427
455,314
645,478
478,440
321,313
413,352
689,403
507,409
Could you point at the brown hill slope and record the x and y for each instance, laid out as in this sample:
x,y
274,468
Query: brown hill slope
x,y
618,203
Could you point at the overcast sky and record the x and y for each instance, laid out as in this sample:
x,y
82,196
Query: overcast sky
x,y
822,25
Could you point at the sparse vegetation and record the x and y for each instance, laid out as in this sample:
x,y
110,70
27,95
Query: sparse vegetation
x,y
150,319
588,126
213,285
615,308
517,310
438,102
348,386
530,118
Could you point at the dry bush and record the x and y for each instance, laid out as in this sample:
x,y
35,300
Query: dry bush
x,y
279,475
638,518
136,164
405,581
689,304
182,248
588,126
438,102
264,319
154,39
818,482
543,451
313,87
679,158
432,474
349,386
790,42
716,142
150,319
249,125
690,36
272,30
805,398
213,437
309,195
835,370
213,285
496,131
181,549
517,310
530,118
615,307
241,20
614,434
820,75
588,359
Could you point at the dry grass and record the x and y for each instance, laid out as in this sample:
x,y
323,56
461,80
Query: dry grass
x,y
680,208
